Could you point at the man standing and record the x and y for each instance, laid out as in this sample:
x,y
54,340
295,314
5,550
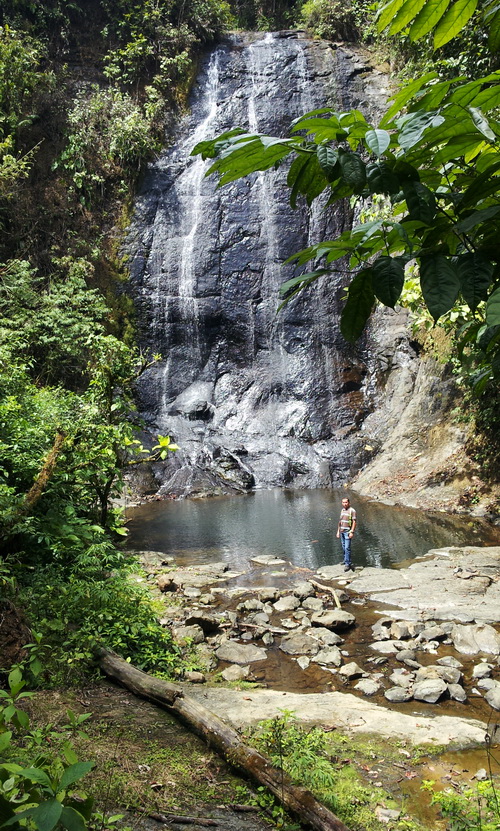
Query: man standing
x,y
345,531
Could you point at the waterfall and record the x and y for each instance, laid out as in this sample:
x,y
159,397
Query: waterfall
x,y
253,398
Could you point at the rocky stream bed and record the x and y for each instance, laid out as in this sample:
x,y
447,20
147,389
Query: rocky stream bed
x,y
411,652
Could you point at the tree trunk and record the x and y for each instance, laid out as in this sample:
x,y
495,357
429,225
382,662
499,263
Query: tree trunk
x,y
223,738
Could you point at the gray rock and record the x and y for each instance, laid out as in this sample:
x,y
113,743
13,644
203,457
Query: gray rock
x,y
487,684
192,592
335,619
268,560
351,671
209,623
182,634
268,593
250,605
398,694
457,692
299,644
325,636
387,815
330,656
483,670
402,678
430,690
388,647
287,604
237,653
235,673
480,775
267,639
382,629
289,623
449,661
314,604
476,638
367,686
400,630
194,677
303,661
451,675
433,633
493,697
303,590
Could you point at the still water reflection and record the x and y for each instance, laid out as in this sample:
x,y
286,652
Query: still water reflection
x,y
297,525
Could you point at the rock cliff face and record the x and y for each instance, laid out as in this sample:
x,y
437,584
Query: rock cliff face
x,y
253,398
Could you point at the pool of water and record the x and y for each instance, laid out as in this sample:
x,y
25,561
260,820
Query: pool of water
x,y
299,526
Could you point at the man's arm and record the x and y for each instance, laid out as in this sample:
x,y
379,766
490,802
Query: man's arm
x,y
353,526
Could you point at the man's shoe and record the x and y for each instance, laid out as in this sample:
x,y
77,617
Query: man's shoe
x,y
347,568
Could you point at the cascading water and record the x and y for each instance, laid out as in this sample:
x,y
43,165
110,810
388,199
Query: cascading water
x,y
251,397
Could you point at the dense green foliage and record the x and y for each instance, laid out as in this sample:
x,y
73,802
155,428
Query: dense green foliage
x,y
72,146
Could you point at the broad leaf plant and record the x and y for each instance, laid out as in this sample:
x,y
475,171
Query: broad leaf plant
x,y
434,157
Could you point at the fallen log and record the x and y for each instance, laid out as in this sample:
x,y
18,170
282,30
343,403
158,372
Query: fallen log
x,y
223,738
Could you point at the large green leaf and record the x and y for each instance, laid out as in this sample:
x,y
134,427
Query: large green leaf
x,y
36,775
493,309
404,95
420,202
388,276
328,158
405,15
387,13
494,33
45,816
415,125
73,773
381,179
475,274
359,306
430,15
476,218
440,284
353,170
455,19
378,141
482,123
72,820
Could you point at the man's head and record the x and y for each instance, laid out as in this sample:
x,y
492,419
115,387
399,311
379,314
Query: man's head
x,y
345,502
